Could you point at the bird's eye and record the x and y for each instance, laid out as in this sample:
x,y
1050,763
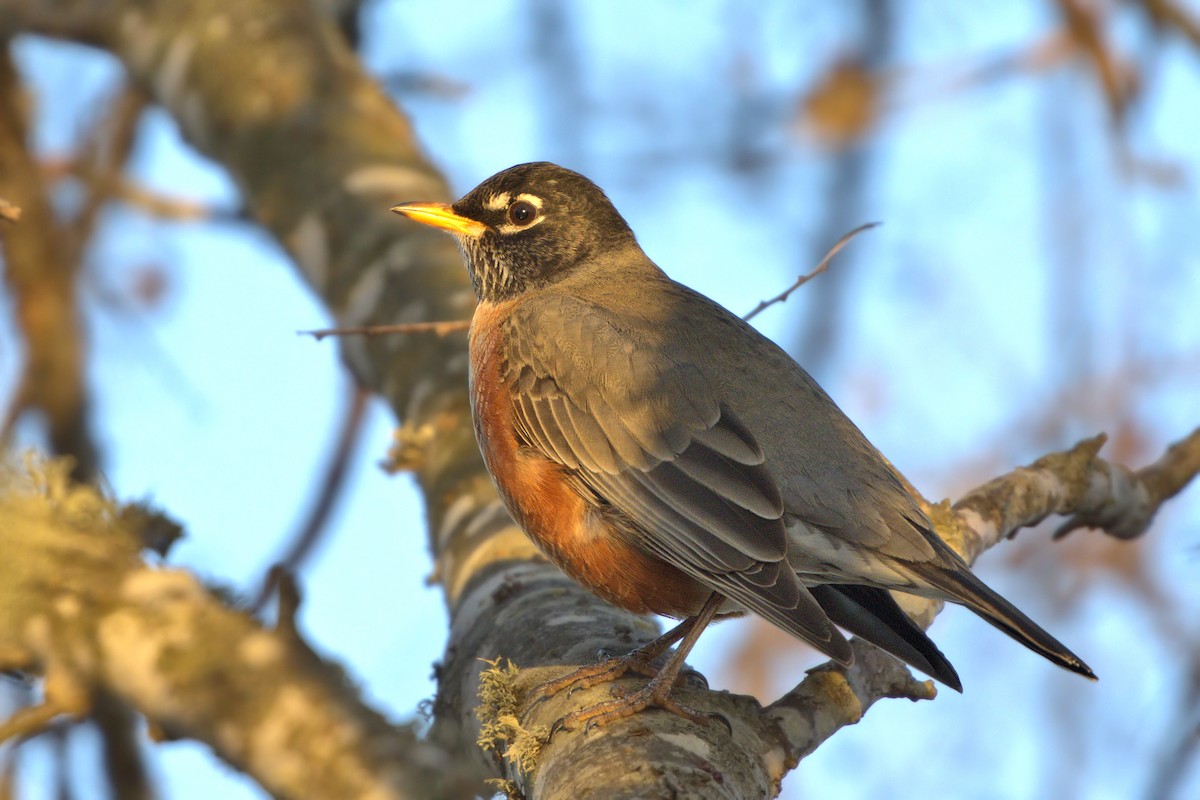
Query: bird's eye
x,y
522,213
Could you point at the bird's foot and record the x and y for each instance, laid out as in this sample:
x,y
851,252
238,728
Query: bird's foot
x,y
605,671
656,694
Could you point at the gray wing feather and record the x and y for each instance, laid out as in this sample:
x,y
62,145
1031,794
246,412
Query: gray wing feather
x,y
636,504
596,452
733,442
750,486
617,433
672,467
711,511
550,435
768,588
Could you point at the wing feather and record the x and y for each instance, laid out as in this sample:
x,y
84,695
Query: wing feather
x,y
675,470
750,486
596,453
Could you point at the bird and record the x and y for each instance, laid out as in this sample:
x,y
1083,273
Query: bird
x,y
672,459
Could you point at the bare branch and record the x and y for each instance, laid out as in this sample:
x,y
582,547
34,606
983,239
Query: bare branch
x,y
436,328
332,485
1169,475
78,606
803,279
101,161
1075,482
9,212
119,186
1169,14
42,279
1084,23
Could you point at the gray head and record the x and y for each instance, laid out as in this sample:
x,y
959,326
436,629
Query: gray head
x,y
527,227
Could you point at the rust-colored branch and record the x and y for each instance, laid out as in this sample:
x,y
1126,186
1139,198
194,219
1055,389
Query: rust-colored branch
x,y
41,278
101,163
1085,24
1169,14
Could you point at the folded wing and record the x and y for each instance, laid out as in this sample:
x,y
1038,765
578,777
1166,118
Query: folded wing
x,y
649,441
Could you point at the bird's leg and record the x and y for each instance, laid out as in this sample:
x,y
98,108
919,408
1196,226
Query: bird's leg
x,y
658,691
606,670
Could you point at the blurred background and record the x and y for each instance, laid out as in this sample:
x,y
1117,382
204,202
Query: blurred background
x,y
1036,280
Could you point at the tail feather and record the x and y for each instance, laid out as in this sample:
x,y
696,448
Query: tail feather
x,y
962,586
872,614
951,579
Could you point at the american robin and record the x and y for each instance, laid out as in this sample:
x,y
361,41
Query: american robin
x,y
672,459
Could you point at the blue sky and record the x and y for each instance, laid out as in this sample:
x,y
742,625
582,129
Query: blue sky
x,y
949,343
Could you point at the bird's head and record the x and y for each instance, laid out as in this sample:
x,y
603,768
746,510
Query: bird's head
x,y
527,227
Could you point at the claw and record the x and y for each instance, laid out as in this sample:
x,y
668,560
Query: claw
x,y
713,716
691,679
555,728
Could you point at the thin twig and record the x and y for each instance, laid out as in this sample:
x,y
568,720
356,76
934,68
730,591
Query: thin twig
x,y
9,212
125,189
41,278
451,326
1182,744
803,279
334,482
180,209
438,328
103,155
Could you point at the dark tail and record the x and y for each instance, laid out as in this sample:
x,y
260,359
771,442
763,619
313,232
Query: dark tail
x,y
961,586
873,614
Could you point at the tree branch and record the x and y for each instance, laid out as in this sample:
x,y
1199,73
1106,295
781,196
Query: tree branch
x,y
320,155
1075,482
436,328
302,543
817,270
79,606
767,743
41,275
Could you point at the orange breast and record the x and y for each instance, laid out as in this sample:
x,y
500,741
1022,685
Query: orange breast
x,y
564,525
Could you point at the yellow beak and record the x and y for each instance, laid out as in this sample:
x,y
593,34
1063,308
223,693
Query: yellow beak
x,y
441,215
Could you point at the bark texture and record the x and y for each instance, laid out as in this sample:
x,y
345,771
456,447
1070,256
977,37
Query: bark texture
x,y
271,91
80,607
